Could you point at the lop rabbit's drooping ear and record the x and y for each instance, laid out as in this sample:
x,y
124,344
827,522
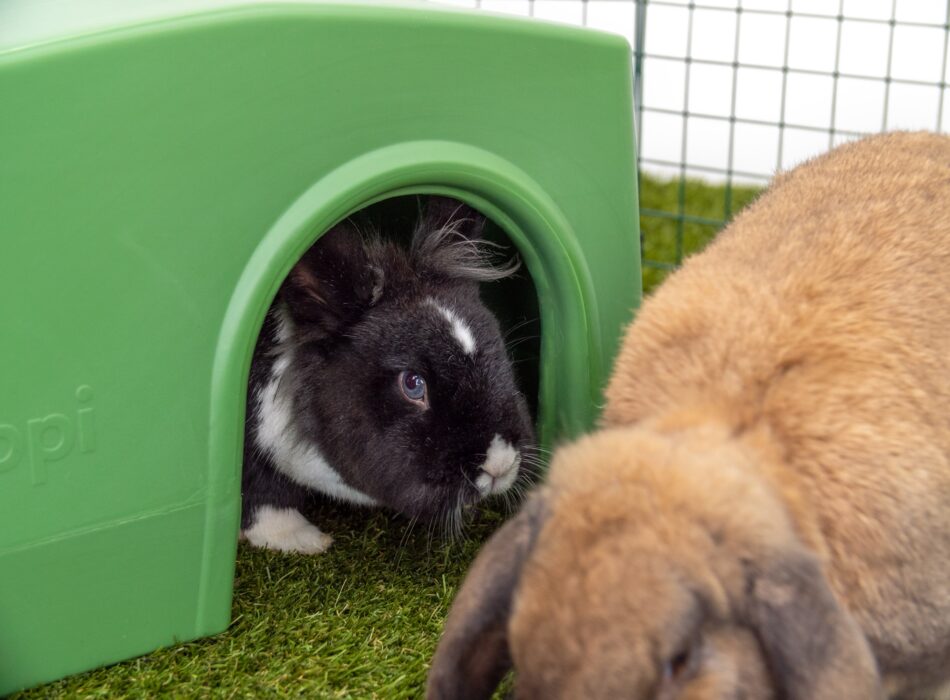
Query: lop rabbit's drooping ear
x,y
811,644
473,654
334,283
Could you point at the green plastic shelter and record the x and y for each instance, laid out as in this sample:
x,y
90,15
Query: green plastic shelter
x,y
162,166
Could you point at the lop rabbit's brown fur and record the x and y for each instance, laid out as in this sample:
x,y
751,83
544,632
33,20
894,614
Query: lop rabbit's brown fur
x,y
766,511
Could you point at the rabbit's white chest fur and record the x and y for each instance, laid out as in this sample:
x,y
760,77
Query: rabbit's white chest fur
x,y
294,456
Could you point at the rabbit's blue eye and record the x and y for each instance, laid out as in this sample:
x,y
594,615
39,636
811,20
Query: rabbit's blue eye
x,y
413,386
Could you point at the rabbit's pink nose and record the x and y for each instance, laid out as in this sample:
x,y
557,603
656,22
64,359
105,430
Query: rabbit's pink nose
x,y
500,468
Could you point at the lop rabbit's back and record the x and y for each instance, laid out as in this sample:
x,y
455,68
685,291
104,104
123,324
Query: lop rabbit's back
x,y
821,316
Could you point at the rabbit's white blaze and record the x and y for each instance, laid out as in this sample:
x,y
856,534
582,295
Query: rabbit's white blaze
x,y
460,331
295,457
500,468
286,530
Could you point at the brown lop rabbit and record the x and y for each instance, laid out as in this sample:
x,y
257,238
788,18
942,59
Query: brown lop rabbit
x,y
766,512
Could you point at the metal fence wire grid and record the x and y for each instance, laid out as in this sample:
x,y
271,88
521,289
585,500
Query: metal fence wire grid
x,y
728,92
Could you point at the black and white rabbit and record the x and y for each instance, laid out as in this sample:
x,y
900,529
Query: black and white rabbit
x,y
381,379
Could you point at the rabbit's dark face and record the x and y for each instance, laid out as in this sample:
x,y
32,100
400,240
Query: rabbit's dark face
x,y
417,407
394,383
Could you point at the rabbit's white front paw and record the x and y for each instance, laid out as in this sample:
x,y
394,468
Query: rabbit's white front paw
x,y
286,530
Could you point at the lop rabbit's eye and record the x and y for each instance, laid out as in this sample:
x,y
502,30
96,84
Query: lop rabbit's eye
x,y
676,666
413,387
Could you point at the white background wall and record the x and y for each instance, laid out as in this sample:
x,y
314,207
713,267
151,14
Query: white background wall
x,y
752,148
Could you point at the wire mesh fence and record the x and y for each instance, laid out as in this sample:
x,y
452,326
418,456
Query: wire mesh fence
x,y
727,92
828,74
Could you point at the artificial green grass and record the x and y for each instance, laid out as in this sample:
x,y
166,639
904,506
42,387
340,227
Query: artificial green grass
x,y
359,621
362,620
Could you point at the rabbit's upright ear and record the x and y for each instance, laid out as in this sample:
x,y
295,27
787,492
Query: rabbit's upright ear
x,y
333,284
813,647
448,243
473,654
445,212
